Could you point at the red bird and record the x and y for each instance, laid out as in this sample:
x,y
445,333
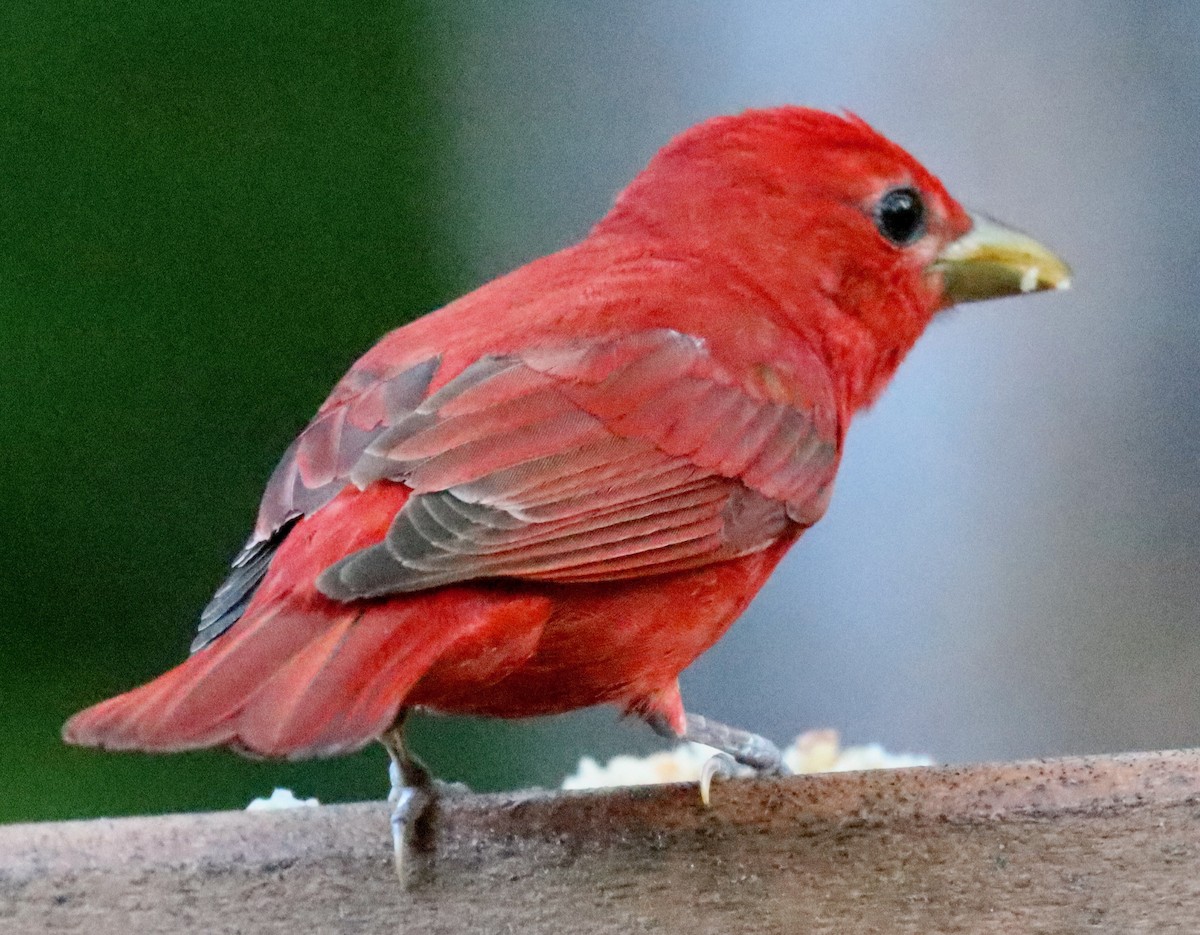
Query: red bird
x,y
562,488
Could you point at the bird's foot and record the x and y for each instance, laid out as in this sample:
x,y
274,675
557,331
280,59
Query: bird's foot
x,y
743,747
738,748
416,799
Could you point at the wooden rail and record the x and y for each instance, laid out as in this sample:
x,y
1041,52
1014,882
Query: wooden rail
x,y
1098,844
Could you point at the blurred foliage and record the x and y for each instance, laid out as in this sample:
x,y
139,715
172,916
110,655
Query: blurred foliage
x,y
209,211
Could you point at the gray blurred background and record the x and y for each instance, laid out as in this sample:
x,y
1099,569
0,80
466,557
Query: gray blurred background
x,y
209,213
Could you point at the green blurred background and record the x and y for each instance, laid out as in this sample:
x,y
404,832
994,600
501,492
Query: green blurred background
x,y
209,210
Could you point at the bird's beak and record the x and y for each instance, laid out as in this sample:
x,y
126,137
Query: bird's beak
x,y
992,260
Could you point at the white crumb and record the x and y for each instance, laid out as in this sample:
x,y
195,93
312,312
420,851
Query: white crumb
x,y
682,764
820,751
280,798
817,751
1029,279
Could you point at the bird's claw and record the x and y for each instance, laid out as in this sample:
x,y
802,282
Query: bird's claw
x,y
415,809
719,764
407,805
766,762
412,808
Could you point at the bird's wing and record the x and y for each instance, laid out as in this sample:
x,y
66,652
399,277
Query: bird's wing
x,y
607,458
313,470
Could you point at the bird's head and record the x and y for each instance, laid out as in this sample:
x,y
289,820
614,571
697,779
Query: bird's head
x,y
853,238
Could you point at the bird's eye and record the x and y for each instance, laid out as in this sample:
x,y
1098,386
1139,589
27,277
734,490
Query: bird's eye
x,y
900,216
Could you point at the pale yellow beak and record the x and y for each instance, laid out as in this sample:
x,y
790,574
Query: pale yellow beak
x,y
992,260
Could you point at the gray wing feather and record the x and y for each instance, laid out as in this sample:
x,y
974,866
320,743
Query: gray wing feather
x,y
313,470
527,465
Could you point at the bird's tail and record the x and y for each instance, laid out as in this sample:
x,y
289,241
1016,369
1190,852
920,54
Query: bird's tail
x,y
301,675
296,683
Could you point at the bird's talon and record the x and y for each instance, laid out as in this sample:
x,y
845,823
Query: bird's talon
x,y
720,764
401,801
413,819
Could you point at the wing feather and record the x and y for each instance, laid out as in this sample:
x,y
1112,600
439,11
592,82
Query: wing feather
x,y
313,470
608,458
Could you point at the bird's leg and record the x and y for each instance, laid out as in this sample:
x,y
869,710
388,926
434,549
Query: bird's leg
x,y
736,746
414,801
752,750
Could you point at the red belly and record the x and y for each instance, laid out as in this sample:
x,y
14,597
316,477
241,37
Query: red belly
x,y
619,643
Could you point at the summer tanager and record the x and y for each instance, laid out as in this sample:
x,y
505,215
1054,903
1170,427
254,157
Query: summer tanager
x,y
562,488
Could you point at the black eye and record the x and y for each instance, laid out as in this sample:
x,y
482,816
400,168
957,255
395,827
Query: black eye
x,y
900,216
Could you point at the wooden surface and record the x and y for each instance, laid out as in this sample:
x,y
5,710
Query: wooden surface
x,y
1109,844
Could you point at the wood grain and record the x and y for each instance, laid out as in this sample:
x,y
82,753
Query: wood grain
x,y
1100,844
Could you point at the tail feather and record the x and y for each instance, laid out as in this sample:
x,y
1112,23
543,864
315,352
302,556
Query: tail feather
x,y
303,706
292,703
311,680
195,704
